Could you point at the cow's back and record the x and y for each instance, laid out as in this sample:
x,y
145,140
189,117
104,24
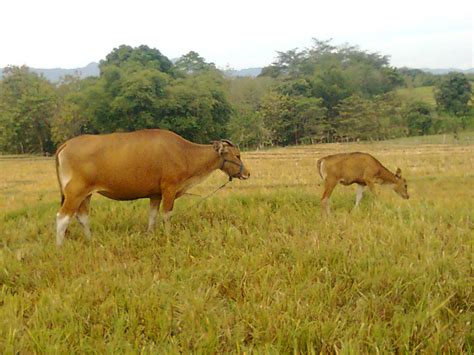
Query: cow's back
x,y
124,165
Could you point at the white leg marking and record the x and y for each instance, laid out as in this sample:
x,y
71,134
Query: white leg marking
x,y
84,221
62,222
167,215
166,220
326,206
152,218
359,192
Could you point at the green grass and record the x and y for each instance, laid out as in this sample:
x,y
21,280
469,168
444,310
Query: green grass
x,y
424,94
464,137
255,268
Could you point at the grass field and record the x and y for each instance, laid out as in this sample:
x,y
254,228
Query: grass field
x,y
255,268
423,93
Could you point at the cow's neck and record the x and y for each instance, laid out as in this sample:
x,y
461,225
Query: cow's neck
x,y
203,160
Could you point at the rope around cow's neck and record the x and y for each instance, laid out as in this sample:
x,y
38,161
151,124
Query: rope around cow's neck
x,y
203,198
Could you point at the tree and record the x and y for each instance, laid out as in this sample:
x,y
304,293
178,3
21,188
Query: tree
x,y
275,110
27,104
389,109
453,94
246,126
142,56
137,104
128,94
310,119
333,73
293,119
196,107
357,119
73,116
192,63
417,77
419,118
248,130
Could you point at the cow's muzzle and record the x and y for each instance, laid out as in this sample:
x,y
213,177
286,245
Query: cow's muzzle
x,y
239,175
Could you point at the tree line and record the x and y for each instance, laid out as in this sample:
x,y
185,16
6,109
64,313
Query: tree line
x,y
322,93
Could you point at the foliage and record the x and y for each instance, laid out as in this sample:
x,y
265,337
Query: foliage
x,y
389,115
357,119
419,118
415,78
142,56
27,104
453,94
139,88
246,126
192,63
336,72
423,93
334,77
73,116
325,92
292,119
196,107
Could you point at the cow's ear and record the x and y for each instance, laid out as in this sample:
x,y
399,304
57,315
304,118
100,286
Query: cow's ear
x,y
219,147
398,173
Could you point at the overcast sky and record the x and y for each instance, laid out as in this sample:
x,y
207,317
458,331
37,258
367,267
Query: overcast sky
x,y
239,34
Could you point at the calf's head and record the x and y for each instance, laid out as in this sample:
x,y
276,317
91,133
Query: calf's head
x,y
231,163
401,187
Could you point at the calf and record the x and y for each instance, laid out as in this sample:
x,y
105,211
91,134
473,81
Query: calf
x,y
357,168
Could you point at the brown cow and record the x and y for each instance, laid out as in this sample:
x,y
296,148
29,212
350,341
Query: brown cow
x,y
357,168
155,164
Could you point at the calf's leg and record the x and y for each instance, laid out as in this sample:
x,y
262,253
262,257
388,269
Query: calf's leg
x,y
329,186
359,193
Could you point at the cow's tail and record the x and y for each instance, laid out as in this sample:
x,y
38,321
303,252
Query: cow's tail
x,y
57,172
319,164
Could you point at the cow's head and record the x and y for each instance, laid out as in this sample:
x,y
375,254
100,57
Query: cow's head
x,y
400,187
231,163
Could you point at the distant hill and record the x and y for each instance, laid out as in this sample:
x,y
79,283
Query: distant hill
x,y
252,72
92,69
443,71
55,74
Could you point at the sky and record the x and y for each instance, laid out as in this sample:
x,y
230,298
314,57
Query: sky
x,y
236,34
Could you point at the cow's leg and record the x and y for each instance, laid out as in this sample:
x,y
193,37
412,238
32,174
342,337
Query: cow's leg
x,y
62,221
83,216
328,188
154,208
168,202
73,197
359,192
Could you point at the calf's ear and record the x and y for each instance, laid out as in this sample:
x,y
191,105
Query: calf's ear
x,y
398,173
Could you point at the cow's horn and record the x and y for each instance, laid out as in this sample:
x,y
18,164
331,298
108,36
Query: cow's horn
x,y
228,142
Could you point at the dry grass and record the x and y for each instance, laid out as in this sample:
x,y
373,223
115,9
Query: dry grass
x,y
254,268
